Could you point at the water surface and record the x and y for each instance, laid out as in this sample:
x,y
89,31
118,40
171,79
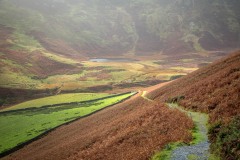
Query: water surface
x,y
112,60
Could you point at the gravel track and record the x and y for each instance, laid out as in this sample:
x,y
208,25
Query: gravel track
x,y
199,150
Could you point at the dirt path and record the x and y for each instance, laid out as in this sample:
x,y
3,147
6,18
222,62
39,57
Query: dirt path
x,y
144,91
143,95
199,149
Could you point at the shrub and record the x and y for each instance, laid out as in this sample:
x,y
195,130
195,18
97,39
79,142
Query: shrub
x,y
226,139
175,99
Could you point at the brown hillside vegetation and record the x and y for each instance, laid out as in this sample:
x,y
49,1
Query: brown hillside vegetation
x,y
214,89
131,130
30,63
57,46
5,33
42,66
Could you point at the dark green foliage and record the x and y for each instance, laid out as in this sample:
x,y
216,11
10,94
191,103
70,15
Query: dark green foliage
x,y
175,99
2,101
5,100
226,139
175,77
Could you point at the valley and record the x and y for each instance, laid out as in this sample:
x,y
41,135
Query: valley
x,y
65,75
46,48
142,122
119,80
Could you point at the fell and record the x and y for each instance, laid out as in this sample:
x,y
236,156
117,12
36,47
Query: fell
x,y
214,89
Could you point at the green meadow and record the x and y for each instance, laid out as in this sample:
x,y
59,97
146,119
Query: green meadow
x,y
19,126
58,99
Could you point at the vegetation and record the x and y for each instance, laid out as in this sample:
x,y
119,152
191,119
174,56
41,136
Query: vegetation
x,y
225,139
198,136
21,41
58,99
43,44
213,90
68,74
166,153
23,125
160,21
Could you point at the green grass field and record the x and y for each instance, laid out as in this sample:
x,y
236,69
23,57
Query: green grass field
x,y
22,125
58,99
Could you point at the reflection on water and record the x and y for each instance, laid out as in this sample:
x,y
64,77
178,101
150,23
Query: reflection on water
x,y
112,60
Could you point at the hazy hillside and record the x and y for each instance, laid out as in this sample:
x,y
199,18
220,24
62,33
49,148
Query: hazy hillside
x,y
215,90
115,27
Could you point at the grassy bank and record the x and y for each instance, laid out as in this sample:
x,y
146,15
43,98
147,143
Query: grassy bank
x,y
58,99
24,125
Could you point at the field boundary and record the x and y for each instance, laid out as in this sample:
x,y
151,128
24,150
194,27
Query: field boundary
x,y
21,145
62,104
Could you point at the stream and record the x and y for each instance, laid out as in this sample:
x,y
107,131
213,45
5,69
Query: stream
x,y
112,60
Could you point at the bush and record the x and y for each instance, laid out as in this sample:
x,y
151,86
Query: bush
x,y
226,139
175,99
2,101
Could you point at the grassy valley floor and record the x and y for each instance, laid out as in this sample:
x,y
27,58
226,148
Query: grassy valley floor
x,y
23,122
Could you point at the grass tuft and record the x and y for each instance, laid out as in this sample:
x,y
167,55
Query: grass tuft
x,y
165,154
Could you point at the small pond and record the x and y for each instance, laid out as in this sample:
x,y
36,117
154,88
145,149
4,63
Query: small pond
x,y
112,60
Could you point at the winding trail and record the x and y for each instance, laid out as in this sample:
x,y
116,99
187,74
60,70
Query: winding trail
x,y
199,149
143,95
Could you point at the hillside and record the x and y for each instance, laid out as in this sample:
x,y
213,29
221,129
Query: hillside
x,y
132,130
136,129
45,46
92,28
214,89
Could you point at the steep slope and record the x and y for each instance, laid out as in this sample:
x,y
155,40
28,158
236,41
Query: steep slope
x,y
214,89
24,58
132,130
24,64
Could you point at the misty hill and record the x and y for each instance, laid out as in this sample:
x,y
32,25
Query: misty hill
x,y
102,27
